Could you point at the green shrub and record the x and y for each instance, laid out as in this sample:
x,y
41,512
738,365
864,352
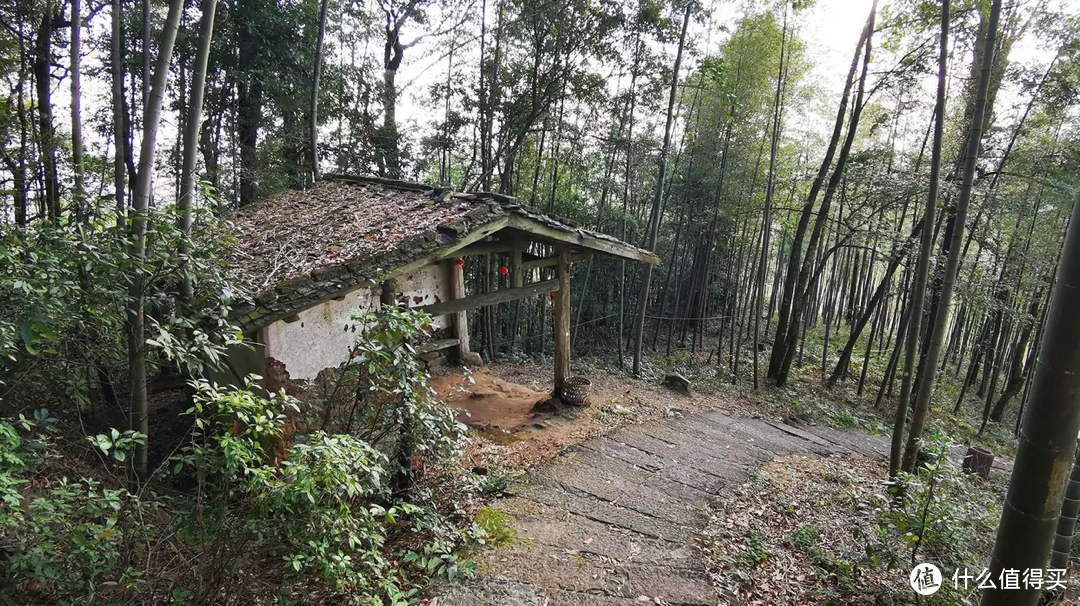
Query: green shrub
x,y
805,537
941,514
64,295
755,552
315,516
68,540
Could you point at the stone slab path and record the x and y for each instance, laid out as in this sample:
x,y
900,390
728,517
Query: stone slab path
x,y
612,522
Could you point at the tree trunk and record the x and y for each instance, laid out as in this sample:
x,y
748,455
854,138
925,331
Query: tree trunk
x,y
845,356
804,284
901,332
76,112
1066,526
119,132
1047,437
249,97
766,220
317,72
46,128
654,224
794,261
1016,367
139,204
393,53
18,166
928,375
922,268
193,128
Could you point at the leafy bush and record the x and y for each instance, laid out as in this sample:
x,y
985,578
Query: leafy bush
x,y
326,514
755,551
317,507
66,540
805,537
941,514
63,298
320,507
392,407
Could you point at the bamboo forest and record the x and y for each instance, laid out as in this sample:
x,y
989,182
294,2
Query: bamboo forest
x,y
539,302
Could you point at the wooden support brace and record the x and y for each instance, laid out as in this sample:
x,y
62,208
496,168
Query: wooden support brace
x,y
459,321
437,345
481,248
490,298
552,261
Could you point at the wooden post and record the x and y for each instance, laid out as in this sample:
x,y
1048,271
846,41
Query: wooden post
x,y
562,322
517,275
517,279
492,319
459,322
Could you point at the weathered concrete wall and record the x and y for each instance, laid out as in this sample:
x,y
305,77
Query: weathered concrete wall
x,y
323,334
242,360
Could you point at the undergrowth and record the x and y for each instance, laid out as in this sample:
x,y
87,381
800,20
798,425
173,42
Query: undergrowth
x,y
256,505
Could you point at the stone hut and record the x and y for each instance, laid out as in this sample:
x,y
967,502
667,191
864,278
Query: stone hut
x,y
309,260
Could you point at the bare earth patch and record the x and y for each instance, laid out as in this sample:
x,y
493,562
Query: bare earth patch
x,y
613,402
488,403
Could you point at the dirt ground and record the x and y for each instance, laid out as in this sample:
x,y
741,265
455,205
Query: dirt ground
x,y
489,403
509,434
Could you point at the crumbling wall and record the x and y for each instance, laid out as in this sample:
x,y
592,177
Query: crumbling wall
x,y
321,336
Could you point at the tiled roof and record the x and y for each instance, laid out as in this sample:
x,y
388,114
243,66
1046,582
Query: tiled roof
x,y
297,248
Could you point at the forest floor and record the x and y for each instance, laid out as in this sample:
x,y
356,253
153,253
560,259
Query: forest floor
x,y
647,495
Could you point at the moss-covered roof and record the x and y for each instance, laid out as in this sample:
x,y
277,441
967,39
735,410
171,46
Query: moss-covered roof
x,y
298,248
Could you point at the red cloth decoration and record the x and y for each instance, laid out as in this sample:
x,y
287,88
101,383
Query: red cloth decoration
x,y
461,261
503,271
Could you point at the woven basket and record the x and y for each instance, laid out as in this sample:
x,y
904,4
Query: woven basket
x,y
575,391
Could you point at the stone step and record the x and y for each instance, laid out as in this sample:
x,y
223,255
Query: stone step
x,y
613,521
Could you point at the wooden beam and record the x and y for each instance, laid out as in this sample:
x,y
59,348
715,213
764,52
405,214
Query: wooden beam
x,y
444,252
562,322
490,298
616,249
552,261
459,321
481,248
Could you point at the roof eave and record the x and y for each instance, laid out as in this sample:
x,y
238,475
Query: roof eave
x,y
582,239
